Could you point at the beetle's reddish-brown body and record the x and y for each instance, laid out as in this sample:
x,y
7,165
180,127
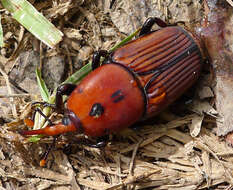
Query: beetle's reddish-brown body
x,y
141,79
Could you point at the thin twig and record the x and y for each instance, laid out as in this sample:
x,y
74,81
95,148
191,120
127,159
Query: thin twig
x,y
133,158
14,95
69,59
13,107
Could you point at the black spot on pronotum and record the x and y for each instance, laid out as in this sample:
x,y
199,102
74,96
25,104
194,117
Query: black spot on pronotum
x,y
117,96
96,110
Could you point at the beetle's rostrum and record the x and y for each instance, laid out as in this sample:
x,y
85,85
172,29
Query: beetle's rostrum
x,y
139,80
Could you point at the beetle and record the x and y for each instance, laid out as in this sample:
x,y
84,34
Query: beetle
x,y
136,81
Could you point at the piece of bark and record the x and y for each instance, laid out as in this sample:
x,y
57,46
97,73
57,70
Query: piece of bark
x,y
217,35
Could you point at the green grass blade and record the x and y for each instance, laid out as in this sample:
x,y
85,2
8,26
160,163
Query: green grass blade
x,y
43,88
33,21
79,75
124,41
35,139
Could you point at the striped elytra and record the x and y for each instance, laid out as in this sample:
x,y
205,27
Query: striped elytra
x,y
166,62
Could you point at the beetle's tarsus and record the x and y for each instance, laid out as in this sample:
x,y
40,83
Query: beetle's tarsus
x,y
100,142
45,156
146,28
44,104
96,58
65,89
42,114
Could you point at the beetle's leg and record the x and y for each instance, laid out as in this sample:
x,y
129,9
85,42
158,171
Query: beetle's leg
x,y
65,89
96,58
146,28
30,122
44,104
41,113
45,156
100,142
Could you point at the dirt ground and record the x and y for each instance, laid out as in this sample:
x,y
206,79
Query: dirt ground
x,y
177,149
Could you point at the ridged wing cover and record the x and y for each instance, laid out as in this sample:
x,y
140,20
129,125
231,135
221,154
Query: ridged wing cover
x,y
166,62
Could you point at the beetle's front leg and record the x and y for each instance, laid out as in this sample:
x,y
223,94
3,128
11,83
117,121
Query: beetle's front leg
x,y
146,28
96,58
65,89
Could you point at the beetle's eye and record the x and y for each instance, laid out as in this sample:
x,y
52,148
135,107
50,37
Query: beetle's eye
x,y
96,110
